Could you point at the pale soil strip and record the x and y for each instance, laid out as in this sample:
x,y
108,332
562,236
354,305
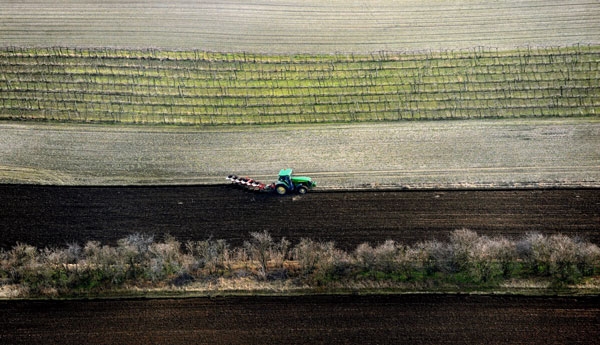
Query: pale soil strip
x,y
494,153
30,175
286,26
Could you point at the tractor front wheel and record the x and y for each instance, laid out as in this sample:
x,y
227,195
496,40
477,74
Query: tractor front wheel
x,y
281,190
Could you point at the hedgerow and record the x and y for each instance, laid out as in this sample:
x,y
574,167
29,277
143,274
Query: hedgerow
x,y
465,260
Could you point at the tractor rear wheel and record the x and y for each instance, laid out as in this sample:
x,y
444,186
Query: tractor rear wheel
x,y
281,190
302,190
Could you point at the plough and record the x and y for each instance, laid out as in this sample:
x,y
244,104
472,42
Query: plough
x,y
250,184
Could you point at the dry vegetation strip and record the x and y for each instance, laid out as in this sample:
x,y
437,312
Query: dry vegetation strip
x,y
467,261
196,87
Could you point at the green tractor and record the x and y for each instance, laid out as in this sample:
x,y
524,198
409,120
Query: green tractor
x,y
286,183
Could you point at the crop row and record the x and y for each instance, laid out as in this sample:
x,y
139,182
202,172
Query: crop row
x,y
187,67
172,87
149,112
198,69
216,93
527,53
15,80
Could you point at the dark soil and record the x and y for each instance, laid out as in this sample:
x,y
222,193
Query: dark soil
x,y
48,215
398,319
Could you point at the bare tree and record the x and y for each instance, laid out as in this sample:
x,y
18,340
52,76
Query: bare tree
x,y
134,251
588,258
165,259
209,254
259,249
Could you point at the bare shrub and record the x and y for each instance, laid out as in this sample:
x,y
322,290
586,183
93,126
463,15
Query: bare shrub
x,y
279,253
73,255
203,254
433,256
260,248
381,258
134,253
222,260
29,267
57,261
208,254
462,244
558,256
105,264
165,259
91,253
482,258
21,259
95,264
385,256
365,256
410,261
535,252
563,258
3,264
484,264
588,258
309,254
320,262
504,251
239,255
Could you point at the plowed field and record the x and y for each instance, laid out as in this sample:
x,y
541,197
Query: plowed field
x,y
43,216
46,215
400,319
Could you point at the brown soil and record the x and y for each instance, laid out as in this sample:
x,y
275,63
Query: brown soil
x,y
399,319
47,215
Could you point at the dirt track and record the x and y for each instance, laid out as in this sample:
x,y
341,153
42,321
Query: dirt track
x,y
400,319
43,216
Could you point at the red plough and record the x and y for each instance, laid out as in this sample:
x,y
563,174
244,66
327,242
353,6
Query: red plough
x,y
250,184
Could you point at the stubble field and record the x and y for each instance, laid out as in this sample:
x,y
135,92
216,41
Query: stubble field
x,y
313,26
445,154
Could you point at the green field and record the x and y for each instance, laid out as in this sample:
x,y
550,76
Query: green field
x,y
204,88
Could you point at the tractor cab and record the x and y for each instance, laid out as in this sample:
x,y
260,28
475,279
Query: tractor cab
x,y
287,183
